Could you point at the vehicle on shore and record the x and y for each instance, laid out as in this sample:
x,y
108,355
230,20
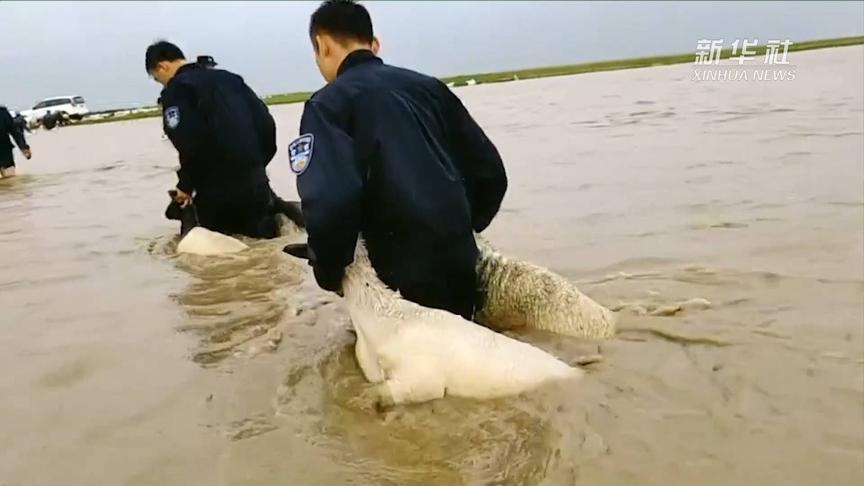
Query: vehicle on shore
x,y
72,107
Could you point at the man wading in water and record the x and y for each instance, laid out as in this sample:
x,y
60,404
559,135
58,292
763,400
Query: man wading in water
x,y
9,128
225,137
394,155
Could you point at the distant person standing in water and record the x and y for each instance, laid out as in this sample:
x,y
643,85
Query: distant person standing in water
x,y
393,155
51,119
8,128
225,137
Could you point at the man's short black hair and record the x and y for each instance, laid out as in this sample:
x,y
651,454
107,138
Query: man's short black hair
x,y
161,51
343,19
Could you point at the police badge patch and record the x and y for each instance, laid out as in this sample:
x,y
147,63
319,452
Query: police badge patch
x,y
172,117
300,153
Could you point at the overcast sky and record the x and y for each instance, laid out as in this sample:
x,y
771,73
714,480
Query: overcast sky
x,y
97,49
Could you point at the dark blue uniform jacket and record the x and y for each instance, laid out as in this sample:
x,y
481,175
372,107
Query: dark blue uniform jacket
x,y
394,156
223,132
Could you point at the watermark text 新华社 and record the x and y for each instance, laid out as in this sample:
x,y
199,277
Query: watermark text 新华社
x,y
746,63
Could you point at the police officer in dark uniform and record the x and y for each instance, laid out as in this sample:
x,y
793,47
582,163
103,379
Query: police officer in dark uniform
x,y
8,128
393,155
225,137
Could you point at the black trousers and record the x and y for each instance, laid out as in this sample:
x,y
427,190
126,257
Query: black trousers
x,y
436,274
455,292
246,211
7,160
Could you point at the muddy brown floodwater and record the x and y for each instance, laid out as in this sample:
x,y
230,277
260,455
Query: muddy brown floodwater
x,y
121,363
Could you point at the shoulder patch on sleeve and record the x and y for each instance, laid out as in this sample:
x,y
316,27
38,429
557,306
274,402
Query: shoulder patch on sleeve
x,y
172,117
300,153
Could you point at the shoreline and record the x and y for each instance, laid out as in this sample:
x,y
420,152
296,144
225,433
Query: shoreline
x,y
531,73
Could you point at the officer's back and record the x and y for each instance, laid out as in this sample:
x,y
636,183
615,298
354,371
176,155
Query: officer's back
x,y
223,108
7,127
224,136
393,154
11,127
415,197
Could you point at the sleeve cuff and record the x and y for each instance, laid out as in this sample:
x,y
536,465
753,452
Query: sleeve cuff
x,y
329,278
184,184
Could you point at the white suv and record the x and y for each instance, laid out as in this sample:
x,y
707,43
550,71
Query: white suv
x,y
74,106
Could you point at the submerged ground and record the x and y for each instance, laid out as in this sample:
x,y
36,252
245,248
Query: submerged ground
x,y
124,364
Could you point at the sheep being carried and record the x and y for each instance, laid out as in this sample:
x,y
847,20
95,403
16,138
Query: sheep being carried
x,y
516,294
416,354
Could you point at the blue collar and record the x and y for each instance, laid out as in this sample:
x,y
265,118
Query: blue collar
x,y
356,58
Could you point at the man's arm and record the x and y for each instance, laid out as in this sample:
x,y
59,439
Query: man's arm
x,y
330,183
266,127
185,182
262,120
481,165
185,126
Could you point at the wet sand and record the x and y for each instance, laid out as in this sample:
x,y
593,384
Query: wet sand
x,y
125,364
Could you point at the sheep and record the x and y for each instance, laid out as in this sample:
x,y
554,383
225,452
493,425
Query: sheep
x,y
196,239
517,294
201,241
416,354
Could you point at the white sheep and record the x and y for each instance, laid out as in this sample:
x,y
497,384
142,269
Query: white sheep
x,y
201,241
198,240
417,354
517,294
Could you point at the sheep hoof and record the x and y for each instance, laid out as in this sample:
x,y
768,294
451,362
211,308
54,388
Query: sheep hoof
x,y
385,399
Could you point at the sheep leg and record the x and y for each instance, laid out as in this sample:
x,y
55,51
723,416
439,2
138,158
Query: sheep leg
x,y
412,385
367,361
